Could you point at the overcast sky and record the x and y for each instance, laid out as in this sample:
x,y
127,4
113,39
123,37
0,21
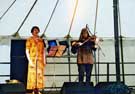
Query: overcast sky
x,y
60,23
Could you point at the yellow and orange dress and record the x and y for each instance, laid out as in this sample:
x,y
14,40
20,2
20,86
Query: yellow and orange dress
x,y
36,50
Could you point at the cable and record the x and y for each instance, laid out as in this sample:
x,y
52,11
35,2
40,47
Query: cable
x,y
68,36
26,17
50,18
7,10
95,23
73,17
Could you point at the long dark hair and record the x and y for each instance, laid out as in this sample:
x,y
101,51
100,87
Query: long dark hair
x,y
81,34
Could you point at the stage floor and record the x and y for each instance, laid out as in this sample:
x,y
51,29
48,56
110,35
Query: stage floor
x,y
58,92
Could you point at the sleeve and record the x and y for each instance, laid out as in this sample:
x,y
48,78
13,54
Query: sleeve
x,y
93,46
44,43
28,44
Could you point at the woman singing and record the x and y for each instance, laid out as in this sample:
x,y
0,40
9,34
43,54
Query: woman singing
x,y
35,52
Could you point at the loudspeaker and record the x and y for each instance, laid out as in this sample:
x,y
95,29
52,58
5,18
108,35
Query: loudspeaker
x,y
17,88
77,88
19,62
111,88
100,88
103,84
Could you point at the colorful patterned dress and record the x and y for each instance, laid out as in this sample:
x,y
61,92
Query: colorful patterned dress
x,y
36,50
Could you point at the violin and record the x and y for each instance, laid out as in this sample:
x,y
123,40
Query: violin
x,y
75,45
78,43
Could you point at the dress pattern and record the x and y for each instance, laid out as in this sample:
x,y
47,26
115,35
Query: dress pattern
x,y
35,77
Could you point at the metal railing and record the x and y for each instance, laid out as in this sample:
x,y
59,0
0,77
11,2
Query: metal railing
x,y
107,75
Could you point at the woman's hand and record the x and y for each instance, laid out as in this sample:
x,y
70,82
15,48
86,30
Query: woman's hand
x,y
31,64
79,43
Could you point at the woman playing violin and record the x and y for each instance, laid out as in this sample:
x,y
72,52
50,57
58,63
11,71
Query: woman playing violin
x,y
85,58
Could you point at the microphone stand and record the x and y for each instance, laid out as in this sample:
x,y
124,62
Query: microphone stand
x,y
94,55
99,48
98,64
54,74
36,89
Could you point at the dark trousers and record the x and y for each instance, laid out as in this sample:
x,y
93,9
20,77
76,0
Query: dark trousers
x,y
82,68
